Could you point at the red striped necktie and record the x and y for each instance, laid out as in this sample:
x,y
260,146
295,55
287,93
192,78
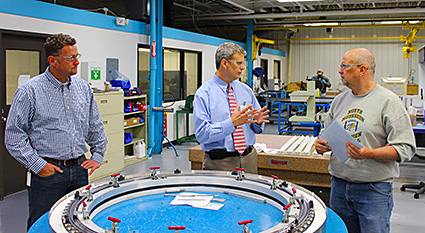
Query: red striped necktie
x,y
238,136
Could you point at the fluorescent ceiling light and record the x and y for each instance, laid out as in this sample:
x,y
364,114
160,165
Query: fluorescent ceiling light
x,y
356,23
320,24
299,0
391,22
401,22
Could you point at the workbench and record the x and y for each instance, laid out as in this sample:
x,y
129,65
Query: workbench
x,y
271,100
302,170
309,171
321,102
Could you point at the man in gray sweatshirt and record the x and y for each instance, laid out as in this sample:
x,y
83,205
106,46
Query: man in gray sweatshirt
x,y
361,187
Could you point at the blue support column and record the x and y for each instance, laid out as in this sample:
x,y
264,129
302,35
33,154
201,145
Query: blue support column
x,y
156,68
250,32
159,92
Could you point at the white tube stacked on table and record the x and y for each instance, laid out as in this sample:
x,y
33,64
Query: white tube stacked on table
x,y
298,145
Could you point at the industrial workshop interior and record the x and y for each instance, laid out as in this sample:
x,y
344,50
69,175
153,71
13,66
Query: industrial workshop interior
x,y
151,69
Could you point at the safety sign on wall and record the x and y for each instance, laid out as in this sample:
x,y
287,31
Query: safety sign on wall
x,y
95,73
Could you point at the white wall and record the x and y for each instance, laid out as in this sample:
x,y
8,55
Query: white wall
x,y
271,58
208,70
93,43
310,55
97,44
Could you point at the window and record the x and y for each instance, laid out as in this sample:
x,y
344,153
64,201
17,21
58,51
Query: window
x,y
181,74
143,70
276,71
263,81
191,67
19,62
172,75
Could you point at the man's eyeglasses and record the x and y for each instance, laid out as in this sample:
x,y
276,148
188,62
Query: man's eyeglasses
x,y
70,58
238,63
345,66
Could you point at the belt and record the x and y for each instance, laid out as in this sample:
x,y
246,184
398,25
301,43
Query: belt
x,y
223,153
68,162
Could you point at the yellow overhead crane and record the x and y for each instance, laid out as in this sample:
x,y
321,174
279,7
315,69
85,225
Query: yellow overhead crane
x,y
256,43
410,38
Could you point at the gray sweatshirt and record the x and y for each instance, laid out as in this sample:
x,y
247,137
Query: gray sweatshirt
x,y
375,119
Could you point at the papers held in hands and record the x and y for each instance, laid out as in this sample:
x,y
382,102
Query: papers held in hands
x,y
337,138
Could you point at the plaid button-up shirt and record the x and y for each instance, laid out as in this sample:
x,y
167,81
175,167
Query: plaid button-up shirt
x,y
53,119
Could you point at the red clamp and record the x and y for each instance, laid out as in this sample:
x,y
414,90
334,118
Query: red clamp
x,y
240,173
89,195
84,203
287,206
153,172
115,179
114,219
294,190
177,228
245,222
274,177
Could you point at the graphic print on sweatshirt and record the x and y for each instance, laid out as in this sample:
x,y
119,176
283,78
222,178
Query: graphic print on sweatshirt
x,y
352,122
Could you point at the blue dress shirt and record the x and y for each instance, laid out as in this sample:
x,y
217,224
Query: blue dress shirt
x,y
212,116
53,119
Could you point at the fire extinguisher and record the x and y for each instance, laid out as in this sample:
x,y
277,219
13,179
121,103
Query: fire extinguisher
x,y
165,123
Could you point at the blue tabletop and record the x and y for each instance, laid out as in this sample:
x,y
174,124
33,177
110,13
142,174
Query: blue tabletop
x,y
419,128
333,224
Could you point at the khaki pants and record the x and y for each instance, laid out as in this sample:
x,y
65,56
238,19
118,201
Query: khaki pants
x,y
249,162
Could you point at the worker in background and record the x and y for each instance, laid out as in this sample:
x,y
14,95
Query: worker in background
x,y
227,115
51,118
361,187
325,80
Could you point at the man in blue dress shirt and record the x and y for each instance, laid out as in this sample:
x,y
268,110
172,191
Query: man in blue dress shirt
x,y
215,123
51,118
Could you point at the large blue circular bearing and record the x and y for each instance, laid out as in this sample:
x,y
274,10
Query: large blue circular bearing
x,y
142,203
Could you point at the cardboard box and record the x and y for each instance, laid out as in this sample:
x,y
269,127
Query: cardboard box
x,y
412,89
131,121
332,92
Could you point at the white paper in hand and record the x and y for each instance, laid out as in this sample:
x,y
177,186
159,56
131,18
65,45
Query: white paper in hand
x,y
337,138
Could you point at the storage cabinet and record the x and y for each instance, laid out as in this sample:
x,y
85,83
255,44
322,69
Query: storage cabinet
x,y
111,107
135,119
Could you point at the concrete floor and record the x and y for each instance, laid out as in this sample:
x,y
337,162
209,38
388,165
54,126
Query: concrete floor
x,y
408,214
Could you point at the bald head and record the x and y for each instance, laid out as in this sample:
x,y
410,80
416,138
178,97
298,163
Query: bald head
x,y
357,71
362,56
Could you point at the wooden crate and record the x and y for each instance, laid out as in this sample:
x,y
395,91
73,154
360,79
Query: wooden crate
x,y
412,89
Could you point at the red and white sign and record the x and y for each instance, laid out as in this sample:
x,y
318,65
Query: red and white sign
x,y
153,49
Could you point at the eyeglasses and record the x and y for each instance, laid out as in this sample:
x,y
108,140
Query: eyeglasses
x,y
238,63
345,66
70,58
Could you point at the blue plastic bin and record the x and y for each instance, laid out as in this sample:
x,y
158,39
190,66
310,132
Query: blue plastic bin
x,y
128,137
124,84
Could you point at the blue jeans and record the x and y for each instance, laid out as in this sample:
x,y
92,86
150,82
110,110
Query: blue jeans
x,y
45,191
364,207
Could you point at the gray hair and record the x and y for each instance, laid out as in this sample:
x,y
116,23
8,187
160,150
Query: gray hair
x,y
226,51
